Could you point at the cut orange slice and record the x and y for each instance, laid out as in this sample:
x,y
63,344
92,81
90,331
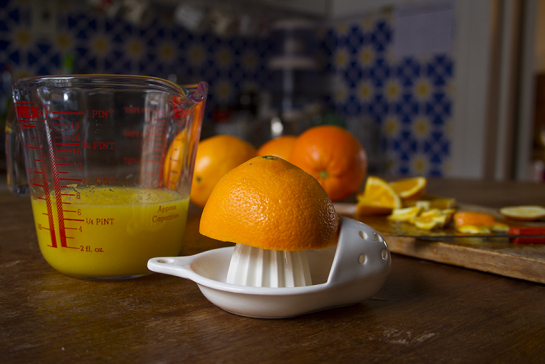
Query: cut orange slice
x,y
409,188
473,218
473,229
428,223
526,213
378,198
407,214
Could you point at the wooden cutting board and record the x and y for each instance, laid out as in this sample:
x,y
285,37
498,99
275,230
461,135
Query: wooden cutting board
x,y
498,256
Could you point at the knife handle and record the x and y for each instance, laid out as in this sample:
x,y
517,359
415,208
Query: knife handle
x,y
527,231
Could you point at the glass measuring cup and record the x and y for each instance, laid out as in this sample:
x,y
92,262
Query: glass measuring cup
x,y
108,162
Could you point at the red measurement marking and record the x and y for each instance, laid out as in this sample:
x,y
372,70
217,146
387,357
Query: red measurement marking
x,y
49,208
76,144
57,119
34,148
69,210
65,164
63,137
70,179
59,131
74,220
64,150
37,185
67,113
69,228
68,194
40,198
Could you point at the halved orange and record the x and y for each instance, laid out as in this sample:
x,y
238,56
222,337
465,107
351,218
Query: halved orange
x,y
377,198
526,213
410,188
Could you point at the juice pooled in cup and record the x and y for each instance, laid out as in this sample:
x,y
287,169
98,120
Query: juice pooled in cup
x,y
110,232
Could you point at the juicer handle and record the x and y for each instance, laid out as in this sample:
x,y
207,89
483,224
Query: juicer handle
x,y
16,174
362,255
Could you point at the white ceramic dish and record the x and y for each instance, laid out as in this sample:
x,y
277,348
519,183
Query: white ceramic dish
x,y
349,273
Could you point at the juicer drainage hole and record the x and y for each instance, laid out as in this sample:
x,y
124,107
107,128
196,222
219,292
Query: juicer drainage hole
x,y
373,236
362,258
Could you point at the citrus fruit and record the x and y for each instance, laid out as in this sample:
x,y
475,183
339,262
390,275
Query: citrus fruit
x,y
499,227
377,198
473,229
430,222
410,188
174,160
526,213
334,157
405,214
279,147
216,156
473,218
271,204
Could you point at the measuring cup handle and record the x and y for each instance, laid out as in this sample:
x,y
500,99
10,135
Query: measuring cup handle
x,y
16,174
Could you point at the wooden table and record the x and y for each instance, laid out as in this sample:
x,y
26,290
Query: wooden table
x,y
425,312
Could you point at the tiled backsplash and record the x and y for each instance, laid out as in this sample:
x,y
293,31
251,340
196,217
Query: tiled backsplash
x,y
406,101
409,99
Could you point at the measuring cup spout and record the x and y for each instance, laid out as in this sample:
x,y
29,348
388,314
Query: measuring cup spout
x,y
197,97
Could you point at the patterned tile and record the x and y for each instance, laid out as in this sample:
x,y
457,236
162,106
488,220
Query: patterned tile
x,y
407,100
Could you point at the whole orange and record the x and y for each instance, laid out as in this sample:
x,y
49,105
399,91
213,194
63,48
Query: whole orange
x,y
216,156
334,157
279,147
269,203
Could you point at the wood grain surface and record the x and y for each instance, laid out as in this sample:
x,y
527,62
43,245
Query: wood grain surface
x,y
425,312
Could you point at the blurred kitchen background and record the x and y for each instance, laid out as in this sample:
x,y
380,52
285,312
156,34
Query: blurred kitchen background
x,y
452,88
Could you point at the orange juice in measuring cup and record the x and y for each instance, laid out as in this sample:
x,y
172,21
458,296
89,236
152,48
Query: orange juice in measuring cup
x,y
97,149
